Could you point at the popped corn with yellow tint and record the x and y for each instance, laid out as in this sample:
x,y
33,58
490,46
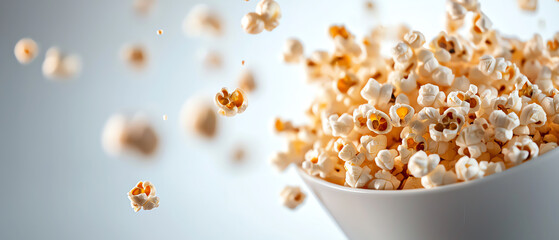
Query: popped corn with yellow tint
x,y
455,109
231,103
142,196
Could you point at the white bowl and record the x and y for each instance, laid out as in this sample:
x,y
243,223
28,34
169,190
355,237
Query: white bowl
x,y
519,203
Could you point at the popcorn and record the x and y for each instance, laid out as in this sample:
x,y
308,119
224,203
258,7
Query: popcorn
x,y
520,149
378,122
281,161
270,12
198,117
246,81
292,196
292,51
202,21
438,177
385,159
143,6
26,50
318,164
143,196
135,56
357,177
60,66
252,23
384,180
401,114
467,169
341,125
123,134
460,109
420,164
231,104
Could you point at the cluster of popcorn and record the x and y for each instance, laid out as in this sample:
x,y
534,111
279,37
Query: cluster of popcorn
x,y
266,16
455,109
57,65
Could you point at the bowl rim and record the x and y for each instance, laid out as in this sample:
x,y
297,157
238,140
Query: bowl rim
x,y
445,188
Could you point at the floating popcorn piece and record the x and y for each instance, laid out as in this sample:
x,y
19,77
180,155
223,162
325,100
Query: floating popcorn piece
x,y
231,104
143,7
198,116
528,5
60,66
252,23
270,12
123,134
135,56
26,50
246,80
165,117
292,51
143,196
202,21
292,196
160,32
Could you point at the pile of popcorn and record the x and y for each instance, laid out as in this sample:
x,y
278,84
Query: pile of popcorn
x,y
455,109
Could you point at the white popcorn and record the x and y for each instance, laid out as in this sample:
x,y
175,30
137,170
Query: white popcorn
x,y
428,62
231,104
360,118
378,122
438,177
401,114
429,95
467,169
378,95
533,114
60,66
402,53
318,164
143,196
292,51
443,76
26,50
292,196
202,21
357,177
528,5
197,116
385,159
420,164
534,47
341,125
126,135
415,39
492,67
471,142
403,82
520,149
252,23
384,180
270,12
487,168
348,152
448,126
504,124
371,146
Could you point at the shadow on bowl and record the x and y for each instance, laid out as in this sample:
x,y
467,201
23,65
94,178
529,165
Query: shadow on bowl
x,y
519,203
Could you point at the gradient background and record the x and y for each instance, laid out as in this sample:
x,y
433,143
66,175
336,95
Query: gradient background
x,y
57,183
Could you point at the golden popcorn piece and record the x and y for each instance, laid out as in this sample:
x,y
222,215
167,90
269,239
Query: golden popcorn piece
x,y
123,135
160,32
26,50
246,80
135,55
143,7
231,104
292,196
142,196
198,117
58,65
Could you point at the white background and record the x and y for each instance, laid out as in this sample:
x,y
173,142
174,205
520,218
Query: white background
x,y
57,183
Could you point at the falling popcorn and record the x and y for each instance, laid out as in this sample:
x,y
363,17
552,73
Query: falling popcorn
x,y
202,20
143,197
266,16
246,80
451,110
123,134
60,66
143,7
26,50
291,197
159,32
231,104
211,59
135,56
198,116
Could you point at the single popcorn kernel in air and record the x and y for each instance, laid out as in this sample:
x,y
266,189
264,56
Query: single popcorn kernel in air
x,y
231,104
143,197
292,196
197,116
159,32
135,55
456,109
26,50
203,21
58,65
123,134
246,80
